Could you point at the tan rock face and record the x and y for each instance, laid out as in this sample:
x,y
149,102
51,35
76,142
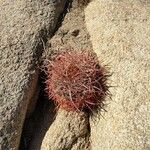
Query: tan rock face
x,y
24,28
120,34
68,131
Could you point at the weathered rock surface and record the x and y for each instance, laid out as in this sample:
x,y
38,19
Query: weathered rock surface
x,y
68,131
120,34
24,28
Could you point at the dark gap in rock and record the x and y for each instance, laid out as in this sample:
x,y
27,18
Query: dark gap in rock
x,y
40,120
89,127
67,8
